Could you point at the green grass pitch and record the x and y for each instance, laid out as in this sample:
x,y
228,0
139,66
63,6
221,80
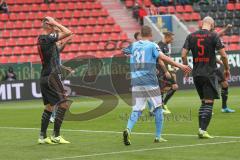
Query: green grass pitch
x,y
20,121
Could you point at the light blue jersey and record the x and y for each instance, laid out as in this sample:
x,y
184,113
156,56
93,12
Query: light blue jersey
x,y
144,55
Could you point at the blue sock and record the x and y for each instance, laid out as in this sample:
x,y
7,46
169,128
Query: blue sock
x,y
158,121
133,119
150,105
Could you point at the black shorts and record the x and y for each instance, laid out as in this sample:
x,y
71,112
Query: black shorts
x,y
52,90
166,82
220,75
207,87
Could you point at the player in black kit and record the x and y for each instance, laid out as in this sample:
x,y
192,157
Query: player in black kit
x,y
52,89
203,44
167,84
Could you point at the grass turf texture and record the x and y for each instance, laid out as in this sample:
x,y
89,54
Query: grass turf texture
x,y
21,144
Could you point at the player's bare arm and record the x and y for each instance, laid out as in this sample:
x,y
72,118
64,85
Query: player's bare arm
x,y
224,59
62,44
164,68
186,69
221,33
63,33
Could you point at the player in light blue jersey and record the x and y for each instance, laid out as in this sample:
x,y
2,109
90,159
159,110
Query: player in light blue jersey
x,y
143,57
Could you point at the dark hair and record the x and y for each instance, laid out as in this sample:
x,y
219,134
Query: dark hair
x,y
146,31
136,34
168,34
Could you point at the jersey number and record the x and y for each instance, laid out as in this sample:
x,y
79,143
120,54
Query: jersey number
x,y
139,57
200,47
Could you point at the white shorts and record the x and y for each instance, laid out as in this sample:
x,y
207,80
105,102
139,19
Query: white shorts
x,y
142,94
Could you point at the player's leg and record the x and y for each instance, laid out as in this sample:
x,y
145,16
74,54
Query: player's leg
x,y
139,103
170,93
209,94
58,99
43,138
156,99
60,113
224,95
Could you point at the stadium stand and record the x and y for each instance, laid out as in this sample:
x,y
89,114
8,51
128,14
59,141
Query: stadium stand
x,y
223,14
90,22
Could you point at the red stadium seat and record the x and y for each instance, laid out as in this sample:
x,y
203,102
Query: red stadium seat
x,y
35,8
21,41
18,24
1,25
43,7
25,8
15,33
3,17
27,50
61,6
52,7
5,34
230,6
129,3
108,29
70,6
237,7
97,5
234,47
7,51
110,20
13,16
3,59
188,8
37,24
171,9
96,37
9,25
163,10
2,43
98,29
180,9
17,50
186,17
23,59
76,14
27,24
117,28
22,16
67,14
196,17
234,39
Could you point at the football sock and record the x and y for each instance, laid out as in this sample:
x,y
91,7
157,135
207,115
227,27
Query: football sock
x,y
205,115
58,120
133,119
44,123
169,94
158,121
224,95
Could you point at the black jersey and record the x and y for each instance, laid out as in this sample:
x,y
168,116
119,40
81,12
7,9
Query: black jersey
x,y
203,44
49,53
164,47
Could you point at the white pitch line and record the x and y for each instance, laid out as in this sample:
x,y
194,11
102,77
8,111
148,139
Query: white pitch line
x,y
115,132
141,150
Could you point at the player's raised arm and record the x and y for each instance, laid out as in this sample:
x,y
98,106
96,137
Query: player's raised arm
x,y
61,45
63,33
221,32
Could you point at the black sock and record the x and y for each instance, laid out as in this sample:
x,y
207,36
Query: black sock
x,y
168,95
205,115
200,114
44,123
224,95
58,120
